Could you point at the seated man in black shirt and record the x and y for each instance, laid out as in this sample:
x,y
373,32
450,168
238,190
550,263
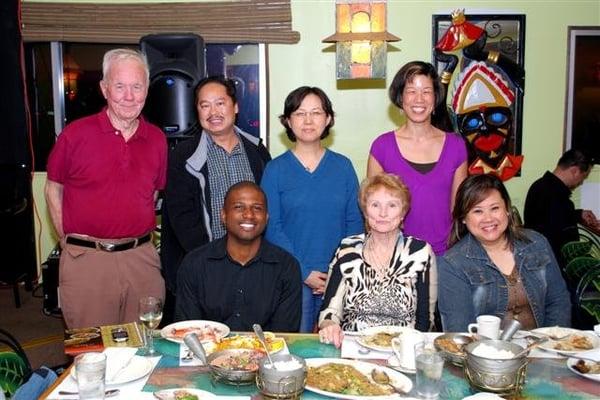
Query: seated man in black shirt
x,y
241,279
548,207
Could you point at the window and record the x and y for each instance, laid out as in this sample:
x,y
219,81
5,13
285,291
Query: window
x,y
63,85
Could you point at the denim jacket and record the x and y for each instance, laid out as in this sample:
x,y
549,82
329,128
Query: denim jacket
x,y
471,285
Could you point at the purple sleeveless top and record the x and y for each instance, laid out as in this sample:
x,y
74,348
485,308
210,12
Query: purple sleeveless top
x,y
429,217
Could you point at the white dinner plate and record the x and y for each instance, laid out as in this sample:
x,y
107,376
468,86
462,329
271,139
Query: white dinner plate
x,y
394,363
169,394
560,331
594,354
365,333
220,330
396,378
137,368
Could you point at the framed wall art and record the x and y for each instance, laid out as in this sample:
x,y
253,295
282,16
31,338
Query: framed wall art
x,y
582,108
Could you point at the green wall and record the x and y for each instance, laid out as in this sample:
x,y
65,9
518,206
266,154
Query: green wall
x,y
364,112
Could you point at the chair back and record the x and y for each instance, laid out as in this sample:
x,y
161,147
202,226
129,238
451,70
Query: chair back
x,y
15,368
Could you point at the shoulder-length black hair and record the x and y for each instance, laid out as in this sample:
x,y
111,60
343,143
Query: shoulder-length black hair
x,y
293,102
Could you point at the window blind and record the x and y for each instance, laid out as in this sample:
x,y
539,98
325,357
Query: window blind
x,y
262,21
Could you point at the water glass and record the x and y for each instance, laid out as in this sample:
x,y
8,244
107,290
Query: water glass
x,y
90,369
430,365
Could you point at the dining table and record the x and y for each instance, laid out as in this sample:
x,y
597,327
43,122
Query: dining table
x,y
546,377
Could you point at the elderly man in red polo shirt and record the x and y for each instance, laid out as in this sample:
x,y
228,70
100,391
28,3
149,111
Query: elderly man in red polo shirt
x,y
104,174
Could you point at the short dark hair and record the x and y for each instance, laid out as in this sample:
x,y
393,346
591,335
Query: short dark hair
x,y
221,80
244,184
439,118
471,192
293,102
575,158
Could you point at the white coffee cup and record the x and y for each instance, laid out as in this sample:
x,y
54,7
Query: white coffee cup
x,y
404,347
487,325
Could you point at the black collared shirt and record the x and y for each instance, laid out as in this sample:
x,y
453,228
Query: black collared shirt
x,y
267,290
550,211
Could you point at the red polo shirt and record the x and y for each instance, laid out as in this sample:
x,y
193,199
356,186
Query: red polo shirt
x,y
109,184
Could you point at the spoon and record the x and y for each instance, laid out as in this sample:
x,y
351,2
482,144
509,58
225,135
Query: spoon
x,y
261,338
108,393
363,350
530,346
381,377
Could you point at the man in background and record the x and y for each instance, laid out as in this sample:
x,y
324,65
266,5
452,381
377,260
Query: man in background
x,y
548,206
104,174
200,171
241,279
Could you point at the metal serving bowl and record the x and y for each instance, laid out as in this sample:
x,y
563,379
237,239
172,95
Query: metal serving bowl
x,y
498,376
460,339
232,376
281,383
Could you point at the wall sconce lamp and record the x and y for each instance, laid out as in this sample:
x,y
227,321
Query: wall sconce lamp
x,y
71,73
361,39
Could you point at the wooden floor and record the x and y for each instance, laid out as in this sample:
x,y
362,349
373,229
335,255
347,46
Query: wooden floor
x,y
40,335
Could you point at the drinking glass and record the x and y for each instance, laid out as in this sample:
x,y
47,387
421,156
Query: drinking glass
x,y
90,369
150,313
430,365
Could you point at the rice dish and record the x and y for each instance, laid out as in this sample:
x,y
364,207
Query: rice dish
x,y
487,351
290,365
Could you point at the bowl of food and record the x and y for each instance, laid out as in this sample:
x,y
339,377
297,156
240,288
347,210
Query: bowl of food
x,y
492,365
452,346
285,378
235,366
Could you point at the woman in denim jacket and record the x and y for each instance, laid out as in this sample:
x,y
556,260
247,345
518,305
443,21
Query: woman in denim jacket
x,y
495,267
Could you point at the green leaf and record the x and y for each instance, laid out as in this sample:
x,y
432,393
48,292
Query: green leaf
x,y
578,266
12,372
593,308
575,249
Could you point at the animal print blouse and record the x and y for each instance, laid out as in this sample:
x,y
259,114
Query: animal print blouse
x,y
356,298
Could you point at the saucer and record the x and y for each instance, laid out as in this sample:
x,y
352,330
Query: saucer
x,y
394,363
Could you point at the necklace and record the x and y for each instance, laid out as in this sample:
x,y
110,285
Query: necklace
x,y
379,259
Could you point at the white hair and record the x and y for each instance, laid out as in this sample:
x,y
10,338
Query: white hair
x,y
115,55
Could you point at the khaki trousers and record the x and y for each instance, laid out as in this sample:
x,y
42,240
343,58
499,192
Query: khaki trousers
x,y
103,288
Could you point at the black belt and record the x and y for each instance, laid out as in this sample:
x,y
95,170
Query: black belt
x,y
92,244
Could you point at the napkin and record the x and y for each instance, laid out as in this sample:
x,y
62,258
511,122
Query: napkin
x,y
129,391
117,359
350,349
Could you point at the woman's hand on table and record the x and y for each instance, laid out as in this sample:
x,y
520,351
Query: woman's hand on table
x,y
316,281
331,333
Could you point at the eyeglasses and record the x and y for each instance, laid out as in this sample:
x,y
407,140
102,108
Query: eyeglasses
x,y
312,114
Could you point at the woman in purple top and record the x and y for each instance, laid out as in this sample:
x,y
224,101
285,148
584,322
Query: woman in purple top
x,y
430,161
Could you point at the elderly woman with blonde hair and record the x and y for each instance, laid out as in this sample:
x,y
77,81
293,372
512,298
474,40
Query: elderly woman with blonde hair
x,y
381,277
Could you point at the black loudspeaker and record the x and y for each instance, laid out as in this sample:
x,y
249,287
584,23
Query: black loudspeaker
x,y
50,283
176,66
